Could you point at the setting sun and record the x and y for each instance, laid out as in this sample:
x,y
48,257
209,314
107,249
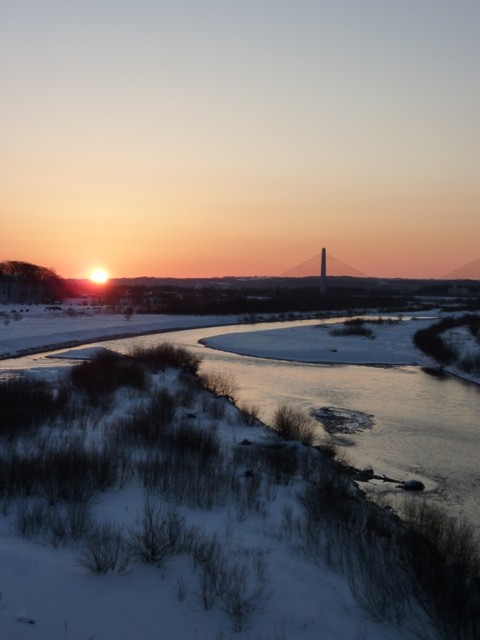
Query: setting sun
x,y
99,276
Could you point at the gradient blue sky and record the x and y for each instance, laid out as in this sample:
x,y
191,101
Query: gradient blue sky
x,y
238,138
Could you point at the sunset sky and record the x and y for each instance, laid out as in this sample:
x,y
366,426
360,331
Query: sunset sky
x,y
220,137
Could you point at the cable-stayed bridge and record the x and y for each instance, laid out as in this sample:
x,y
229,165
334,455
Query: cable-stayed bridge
x,y
470,271
323,265
313,267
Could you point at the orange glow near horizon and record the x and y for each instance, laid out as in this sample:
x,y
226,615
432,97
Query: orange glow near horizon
x,y
268,133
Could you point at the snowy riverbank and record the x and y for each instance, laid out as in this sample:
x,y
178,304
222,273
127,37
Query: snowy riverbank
x,y
390,344
30,329
33,329
286,589
305,596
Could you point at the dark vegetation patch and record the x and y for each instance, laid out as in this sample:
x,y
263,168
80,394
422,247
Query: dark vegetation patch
x,y
148,424
165,355
106,373
431,341
442,555
353,327
26,402
58,472
427,559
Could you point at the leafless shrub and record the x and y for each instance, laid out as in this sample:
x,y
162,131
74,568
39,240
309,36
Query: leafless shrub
x,y
5,506
188,390
238,586
60,471
242,589
250,497
428,563
443,558
186,479
74,473
191,440
181,589
209,557
213,408
289,524
51,524
121,461
26,403
220,384
32,521
376,577
148,425
279,462
330,514
105,373
249,413
105,549
78,520
164,355
246,455
329,485
294,424
331,511
160,532
207,594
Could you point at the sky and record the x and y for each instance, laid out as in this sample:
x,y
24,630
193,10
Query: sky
x,y
212,138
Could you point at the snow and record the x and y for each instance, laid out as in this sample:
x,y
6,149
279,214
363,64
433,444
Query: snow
x,y
462,339
29,329
391,345
467,346
87,353
46,594
38,329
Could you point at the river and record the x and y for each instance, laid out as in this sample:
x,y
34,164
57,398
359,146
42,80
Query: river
x,y
424,427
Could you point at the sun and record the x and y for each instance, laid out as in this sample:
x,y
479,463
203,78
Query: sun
x,y
99,276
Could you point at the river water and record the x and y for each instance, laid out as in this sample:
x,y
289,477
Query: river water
x,y
424,427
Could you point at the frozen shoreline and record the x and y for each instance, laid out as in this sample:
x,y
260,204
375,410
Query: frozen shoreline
x,y
39,330
391,345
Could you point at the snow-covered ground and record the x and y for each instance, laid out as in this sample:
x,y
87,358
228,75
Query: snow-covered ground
x,y
27,329
46,594
32,329
468,348
391,343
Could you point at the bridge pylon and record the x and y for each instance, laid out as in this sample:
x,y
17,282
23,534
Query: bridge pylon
x,y
323,271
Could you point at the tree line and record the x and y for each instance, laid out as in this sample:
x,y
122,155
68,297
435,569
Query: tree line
x,y
26,283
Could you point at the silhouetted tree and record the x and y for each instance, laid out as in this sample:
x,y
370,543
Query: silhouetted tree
x,y
23,282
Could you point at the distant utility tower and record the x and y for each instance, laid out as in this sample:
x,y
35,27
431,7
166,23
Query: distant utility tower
x,y
323,272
